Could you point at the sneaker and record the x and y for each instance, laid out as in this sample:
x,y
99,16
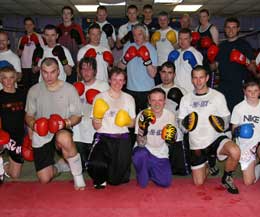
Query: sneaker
x,y
228,183
100,186
214,170
62,167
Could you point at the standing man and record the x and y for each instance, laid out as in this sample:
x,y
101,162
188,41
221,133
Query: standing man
x,y
26,46
234,61
185,21
71,36
108,35
185,59
53,107
204,114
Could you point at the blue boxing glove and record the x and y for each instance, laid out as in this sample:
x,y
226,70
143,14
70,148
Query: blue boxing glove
x,y
173,55
188,55
245,131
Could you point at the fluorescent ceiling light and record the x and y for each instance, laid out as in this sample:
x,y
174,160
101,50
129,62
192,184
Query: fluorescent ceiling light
x,y
112,4
187,8
87,8
168,1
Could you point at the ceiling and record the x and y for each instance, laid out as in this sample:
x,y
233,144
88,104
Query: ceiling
x,y
53,7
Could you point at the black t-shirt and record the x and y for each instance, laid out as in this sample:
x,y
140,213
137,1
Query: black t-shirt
x,y
12,113
152,27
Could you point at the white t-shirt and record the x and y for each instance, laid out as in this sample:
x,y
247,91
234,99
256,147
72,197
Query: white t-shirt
x,y
103,40
163,46
183,69
155,144
212,103
47,52
84,131
101,63
125,101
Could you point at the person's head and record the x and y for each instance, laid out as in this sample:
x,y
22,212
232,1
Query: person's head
x,y
67,14
231,27
29,24
139,33
184,38
117,79
94,34
251,90
200,77
185,21
167,73
101,14
163,19
50,34
88,69
132,13
204,17
148,12
4,41
8,77
50,71
156,100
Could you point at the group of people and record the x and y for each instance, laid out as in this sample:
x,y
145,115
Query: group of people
x,y
157,96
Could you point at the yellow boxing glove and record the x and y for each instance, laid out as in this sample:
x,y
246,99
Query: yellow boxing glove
x,y
155,37
122,118
100,108
171,36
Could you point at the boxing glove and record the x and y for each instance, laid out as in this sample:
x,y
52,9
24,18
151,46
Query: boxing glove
x,y
238,57
171,36
169,134
144,53
76,36
258,67
108,57
217,123
128,37
129,54
146,117
27,150
122,118
189,56
108,29
35,39
190,121
90,95
195,37
23,42
91,52
41,126
206,42
37,55
80,87
175,95
4,137
212,53
99,109
173,55
56,123
245,131
59,52
155,37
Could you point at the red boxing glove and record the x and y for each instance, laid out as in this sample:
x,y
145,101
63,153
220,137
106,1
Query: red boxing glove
x,y
108,57
212,53
238,57
27,151
4,137
195,38
90,95
91,52
56,123
129,54
258,67
206,42
143,52
23,42
41,126
80,87
35,39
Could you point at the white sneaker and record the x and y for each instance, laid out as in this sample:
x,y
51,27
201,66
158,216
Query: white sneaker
x,y
62,167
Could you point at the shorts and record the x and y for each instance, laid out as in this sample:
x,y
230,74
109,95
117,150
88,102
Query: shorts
x,y
200,157
14,148
247,156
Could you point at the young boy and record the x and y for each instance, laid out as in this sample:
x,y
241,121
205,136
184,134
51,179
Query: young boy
x,y
246,128
12,103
